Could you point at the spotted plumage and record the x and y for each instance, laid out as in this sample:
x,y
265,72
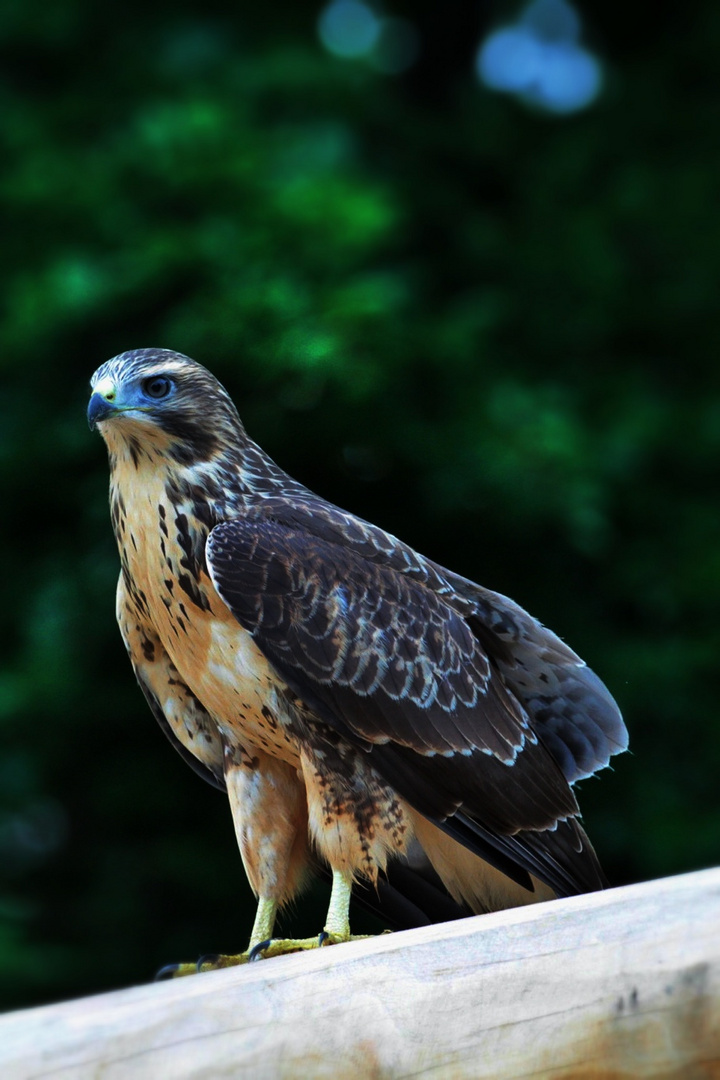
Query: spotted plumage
x,y
355,699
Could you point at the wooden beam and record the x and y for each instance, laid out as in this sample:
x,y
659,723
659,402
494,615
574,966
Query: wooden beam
x,y
621,984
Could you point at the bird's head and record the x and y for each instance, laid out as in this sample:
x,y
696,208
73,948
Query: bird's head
x,y
159,400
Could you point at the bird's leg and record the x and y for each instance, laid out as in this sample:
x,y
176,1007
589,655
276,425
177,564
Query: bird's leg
x,y
337,924
264,922
270,810
347,803
270,817
261,935
263,945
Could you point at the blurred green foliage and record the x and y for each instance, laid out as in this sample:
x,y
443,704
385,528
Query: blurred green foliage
x,y
492,332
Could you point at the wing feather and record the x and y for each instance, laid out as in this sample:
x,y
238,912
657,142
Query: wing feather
x,y
415,686
570,708
416,675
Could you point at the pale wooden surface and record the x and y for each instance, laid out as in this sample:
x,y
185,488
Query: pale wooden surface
x,y
623,984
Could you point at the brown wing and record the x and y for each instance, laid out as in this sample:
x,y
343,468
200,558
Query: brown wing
x,y
390,664
570,708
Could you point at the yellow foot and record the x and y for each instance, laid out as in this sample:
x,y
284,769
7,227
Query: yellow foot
x,y
280,946
262,951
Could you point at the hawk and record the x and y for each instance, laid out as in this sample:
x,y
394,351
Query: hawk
x,y
356,700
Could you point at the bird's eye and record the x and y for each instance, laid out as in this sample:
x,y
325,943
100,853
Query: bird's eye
x,y
157,386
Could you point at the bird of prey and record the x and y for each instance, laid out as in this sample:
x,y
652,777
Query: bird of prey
x,y
357,701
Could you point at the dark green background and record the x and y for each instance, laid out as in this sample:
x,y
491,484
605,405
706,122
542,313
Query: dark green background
x,y
493,332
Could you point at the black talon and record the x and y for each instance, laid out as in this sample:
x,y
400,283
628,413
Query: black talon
x,y
167,972
256,951
322,937
207,958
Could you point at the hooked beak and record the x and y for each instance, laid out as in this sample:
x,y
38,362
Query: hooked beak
x,y
101,407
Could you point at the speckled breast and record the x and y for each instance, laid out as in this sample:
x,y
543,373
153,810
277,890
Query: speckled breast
x,y
213,653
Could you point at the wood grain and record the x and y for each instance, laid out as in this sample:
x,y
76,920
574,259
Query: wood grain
x,y
621,985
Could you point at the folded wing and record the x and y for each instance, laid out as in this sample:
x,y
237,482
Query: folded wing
x,y
477,717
